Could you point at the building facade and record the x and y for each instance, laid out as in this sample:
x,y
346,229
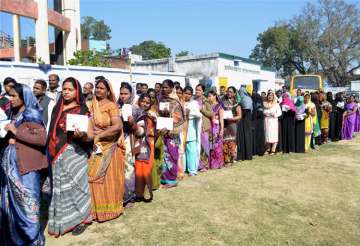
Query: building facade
x,y
217,69
65,17
28,73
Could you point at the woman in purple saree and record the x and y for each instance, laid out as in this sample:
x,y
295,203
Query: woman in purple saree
x,y
217,133
349,119
169,107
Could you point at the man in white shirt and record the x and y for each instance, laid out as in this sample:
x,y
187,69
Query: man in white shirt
x,y
54,90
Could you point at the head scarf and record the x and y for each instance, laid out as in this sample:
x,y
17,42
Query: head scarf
x,y
132,96
98,117
58,138
329,97
300,105
286,101
245,99
269,104
338,97
33,111
258,105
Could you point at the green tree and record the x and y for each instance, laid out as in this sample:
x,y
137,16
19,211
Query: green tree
x,y
151,50
94,29
280,47
182,53
90,58
330,30
324,38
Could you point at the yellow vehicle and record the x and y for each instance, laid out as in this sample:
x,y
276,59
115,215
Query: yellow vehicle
x,y
310,82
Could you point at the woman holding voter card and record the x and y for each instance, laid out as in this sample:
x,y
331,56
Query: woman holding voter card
x,y
143,127
192,132
22,159
70,207
205,121
125,102
106,163
169,125
272,112
232,115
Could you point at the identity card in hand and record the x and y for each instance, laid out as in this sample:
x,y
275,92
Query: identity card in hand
x,y
228,114
3,123
164,123
74,121
126,111
164,105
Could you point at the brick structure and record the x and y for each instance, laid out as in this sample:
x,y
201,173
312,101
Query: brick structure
x,y
67,23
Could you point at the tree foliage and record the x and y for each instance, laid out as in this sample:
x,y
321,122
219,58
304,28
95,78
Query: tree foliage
x,y
280,47
90,58
324,38
94,29
182,53
151,50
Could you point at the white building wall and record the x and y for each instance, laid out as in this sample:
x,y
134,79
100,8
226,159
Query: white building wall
x,y
218,70
269,83
244,74
160,65
198,67
27,73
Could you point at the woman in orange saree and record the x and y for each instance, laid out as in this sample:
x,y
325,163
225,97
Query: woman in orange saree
x,y
106,164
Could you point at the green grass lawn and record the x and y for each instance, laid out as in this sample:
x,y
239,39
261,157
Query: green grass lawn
x,y
296,199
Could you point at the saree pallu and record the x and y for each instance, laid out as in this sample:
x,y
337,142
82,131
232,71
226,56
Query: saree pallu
x,y
325,120
357,121
216,149
348,123
230,148
230,151
204,152
129,194
158,157
71,199
317,130
309,125
182,154
19,203
106,179
169,163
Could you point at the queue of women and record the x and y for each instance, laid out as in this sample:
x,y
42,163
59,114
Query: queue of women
x,y
140,142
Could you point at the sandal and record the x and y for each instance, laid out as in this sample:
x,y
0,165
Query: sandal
x,y
79,229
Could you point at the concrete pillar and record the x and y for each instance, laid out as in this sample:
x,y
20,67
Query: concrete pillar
x,y
42,33
72,39
17,37
59,36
